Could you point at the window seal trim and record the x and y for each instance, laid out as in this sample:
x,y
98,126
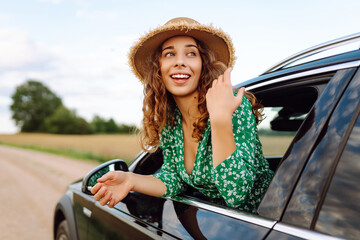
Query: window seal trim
x,y
306,73
247,217
139,157
302,233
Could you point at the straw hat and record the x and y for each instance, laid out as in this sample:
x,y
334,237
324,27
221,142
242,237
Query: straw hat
x,y
215,39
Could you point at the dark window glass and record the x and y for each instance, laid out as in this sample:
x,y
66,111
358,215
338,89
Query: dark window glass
x,y
340,213
283,113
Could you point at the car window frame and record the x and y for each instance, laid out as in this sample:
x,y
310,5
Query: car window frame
x,y
302,214
273,205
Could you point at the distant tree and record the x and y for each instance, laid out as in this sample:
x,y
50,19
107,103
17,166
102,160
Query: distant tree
x,y
99,124
65,121
128,129
32,104
111,126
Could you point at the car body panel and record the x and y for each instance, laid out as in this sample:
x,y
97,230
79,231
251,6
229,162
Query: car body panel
x,y
64,210
340,212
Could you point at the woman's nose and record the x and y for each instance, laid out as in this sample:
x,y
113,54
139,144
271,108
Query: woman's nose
x,y
180,61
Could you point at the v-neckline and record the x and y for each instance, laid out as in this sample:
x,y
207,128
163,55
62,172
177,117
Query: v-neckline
x,y
182,155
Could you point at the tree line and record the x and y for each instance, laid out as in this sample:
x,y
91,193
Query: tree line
x,y
35,108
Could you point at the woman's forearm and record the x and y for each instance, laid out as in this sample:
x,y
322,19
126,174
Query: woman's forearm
x,y
223,143
147,184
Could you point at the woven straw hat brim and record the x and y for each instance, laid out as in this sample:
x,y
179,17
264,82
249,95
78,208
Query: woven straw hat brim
x,y
218,41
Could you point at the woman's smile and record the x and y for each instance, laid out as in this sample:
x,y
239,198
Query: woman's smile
x,y
180,78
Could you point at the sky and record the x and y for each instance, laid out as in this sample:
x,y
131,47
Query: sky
x,y
79,48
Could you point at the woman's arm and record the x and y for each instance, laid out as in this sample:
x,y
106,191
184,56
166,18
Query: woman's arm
x,y
221,104
235,175
114,186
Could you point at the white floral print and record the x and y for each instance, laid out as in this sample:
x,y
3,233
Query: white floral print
x,y
240,180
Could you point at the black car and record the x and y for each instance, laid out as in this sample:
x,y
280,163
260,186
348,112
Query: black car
x,y
311,138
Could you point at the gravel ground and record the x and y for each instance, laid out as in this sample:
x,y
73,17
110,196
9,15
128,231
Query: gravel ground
x,y
31,184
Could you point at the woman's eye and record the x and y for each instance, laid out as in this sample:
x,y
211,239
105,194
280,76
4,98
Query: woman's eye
x,y
169,54
192,54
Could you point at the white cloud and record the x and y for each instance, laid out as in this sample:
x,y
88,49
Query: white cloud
x,y
19,52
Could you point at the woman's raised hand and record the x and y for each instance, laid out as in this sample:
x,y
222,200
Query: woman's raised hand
x,y
220,100
112,187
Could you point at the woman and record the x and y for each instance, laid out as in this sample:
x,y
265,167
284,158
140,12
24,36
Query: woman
x,y
207,133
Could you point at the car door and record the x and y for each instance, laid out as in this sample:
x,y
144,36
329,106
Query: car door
x,y
140,216
188,216
121,222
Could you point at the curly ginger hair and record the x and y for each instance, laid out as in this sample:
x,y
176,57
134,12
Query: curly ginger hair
x,y
159,105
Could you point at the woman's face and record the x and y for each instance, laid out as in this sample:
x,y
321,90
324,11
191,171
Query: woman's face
x,y
180,65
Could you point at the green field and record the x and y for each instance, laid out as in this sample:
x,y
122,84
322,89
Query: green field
x,y
105,147
275,145
93,147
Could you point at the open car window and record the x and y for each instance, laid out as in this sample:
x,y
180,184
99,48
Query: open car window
x,y
274,141
285,108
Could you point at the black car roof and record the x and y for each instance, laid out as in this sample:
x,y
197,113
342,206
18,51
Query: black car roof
x,y
284,67
353,56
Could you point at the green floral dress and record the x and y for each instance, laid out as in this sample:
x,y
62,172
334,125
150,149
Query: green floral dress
x,y
240,180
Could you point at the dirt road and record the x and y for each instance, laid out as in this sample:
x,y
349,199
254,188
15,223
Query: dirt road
x,y
31,184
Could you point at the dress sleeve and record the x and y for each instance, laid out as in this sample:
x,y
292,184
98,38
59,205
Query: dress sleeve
x,y
169,173
235,176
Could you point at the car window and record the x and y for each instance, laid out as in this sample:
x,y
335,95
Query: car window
x,y
150,164
286,106
340,212
284,111
274,141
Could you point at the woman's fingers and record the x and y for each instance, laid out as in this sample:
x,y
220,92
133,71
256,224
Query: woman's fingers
x,y
224,78
111,188
227,76
115,199
99,195
106,198
106,177
239,96
240,92
112,203
95,188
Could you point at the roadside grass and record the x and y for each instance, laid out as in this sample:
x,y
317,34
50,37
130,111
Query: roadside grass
x,y
72,153
99,148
